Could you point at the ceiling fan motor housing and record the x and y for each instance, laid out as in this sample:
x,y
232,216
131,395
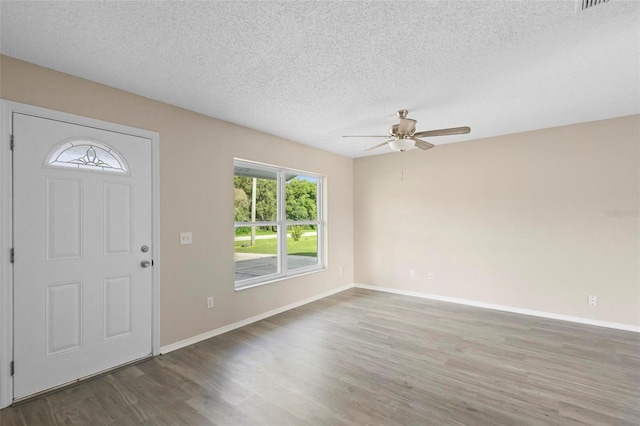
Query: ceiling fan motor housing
x,y
406,127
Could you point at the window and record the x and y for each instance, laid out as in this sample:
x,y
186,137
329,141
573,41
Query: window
x,y
87,155
278,223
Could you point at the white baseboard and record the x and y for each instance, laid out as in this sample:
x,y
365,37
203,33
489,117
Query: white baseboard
x,y
235,325
542,314
226,328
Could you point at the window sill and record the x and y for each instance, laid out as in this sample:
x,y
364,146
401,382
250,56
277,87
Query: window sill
x,y
286,277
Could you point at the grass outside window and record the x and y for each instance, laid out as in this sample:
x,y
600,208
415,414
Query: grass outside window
x,y
306,246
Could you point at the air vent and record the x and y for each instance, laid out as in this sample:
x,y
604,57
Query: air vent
x,y
586,4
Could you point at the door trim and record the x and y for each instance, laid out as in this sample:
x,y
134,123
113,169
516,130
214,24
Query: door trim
x,y
7,108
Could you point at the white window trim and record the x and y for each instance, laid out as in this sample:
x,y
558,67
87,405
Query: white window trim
x,y
282,223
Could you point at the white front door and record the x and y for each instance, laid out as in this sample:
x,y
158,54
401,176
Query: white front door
x,y
82,240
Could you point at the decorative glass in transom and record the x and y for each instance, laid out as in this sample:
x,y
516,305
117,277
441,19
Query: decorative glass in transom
x,y
87,155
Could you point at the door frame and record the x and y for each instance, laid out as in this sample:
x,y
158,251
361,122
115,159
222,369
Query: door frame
x,y
7,109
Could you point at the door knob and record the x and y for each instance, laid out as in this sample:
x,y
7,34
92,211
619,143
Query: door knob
x,y
145,263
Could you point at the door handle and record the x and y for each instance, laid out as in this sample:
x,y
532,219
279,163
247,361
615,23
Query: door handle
x,y
145,263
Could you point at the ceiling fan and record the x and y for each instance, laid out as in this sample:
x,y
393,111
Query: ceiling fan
x,y
404,136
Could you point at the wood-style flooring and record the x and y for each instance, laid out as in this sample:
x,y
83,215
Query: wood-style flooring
x,y
369,358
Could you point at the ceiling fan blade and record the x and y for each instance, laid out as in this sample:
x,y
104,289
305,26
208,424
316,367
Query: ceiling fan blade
x,y
443,132
365,136
422,144
377,146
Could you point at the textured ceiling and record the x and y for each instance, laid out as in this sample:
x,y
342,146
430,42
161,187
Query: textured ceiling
x,y
313,71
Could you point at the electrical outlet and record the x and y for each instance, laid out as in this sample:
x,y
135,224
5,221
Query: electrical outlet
x,y
412,273
209,302
186,238
341,270
430,276
593,300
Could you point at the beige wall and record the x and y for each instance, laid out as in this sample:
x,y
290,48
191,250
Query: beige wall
x,y
196,194
519,220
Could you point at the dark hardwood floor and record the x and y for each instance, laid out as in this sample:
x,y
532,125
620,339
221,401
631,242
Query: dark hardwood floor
x,y
368,358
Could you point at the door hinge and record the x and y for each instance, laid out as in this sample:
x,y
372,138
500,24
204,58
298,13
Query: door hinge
x,y
12,143
13,368
13,255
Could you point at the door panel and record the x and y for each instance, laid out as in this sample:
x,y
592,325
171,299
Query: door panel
x,y
82,300
117,306
117,218
63,215
63,317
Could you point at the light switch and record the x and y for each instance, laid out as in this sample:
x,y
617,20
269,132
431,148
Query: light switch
x,y
186,238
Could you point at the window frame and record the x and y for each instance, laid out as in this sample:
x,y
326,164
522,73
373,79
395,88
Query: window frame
x,y
282,223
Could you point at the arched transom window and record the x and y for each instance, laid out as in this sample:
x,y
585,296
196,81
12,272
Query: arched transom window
x,y
87,154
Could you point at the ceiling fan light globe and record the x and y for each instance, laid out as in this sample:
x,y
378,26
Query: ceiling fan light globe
x,y
402,144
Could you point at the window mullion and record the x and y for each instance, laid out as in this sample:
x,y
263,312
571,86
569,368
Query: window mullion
x,y
282,235
320,218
